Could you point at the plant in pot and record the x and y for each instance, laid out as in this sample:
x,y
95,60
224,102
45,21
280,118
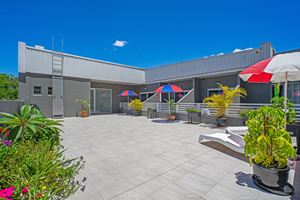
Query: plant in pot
x,y
221,102
268,146
137,106
172,109
193,113
84,107
244,115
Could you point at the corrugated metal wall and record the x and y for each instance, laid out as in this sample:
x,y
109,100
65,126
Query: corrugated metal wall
x,y
40,61
205,66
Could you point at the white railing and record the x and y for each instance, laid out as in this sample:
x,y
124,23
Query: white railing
x,y
233,111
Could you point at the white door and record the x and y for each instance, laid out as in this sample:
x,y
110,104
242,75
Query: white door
x,y
58,98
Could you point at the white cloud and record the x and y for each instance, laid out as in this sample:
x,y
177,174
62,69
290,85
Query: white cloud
x,y
237,50
120,43
219,54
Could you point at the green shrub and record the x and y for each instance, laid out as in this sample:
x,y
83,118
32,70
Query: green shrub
x,y
267,142
244,113
193,110
30,124
40,169
84,104
278,102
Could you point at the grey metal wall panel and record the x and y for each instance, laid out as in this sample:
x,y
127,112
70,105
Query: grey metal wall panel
x,y
205,66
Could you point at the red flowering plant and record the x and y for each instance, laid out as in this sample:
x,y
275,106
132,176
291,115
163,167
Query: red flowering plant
x,y
33,165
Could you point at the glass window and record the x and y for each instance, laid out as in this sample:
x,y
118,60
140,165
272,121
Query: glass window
x,y
37,90
143,97
49,91
210,92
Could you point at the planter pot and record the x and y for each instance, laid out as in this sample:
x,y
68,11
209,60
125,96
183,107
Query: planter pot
x,y
221,122
272,179
171,117
84,113
137,113
194,116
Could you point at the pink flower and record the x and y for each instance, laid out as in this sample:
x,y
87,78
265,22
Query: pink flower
x,y
7,193
7,133
1,130
24,190
7,142
39,195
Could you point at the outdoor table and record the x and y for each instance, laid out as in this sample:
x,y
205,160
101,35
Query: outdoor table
x,y
295,128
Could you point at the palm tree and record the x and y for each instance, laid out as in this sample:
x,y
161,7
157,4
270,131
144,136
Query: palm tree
x,y
221,102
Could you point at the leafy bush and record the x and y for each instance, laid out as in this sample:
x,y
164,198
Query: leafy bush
x,y
8,87
38,171
84,104
136,105
267,142
221,102
193,110
30,124
172,106
244,113
278,102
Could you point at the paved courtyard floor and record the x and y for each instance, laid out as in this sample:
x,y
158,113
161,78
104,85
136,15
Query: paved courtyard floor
x,y
134,158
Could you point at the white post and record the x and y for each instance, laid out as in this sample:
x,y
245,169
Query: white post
x,y
285,98
169,103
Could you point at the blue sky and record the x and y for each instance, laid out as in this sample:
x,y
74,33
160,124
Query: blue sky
x,y
156,32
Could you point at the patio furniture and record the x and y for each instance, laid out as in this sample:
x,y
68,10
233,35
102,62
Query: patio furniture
x,y
295,128
230,140
240,130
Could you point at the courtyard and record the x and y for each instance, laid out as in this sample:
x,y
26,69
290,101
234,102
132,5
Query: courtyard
x,y
135,158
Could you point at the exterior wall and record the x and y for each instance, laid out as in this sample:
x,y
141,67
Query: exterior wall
x,y
256,92
116,89
26,84
10,106
232,62
39,61
202,85
184,84
75,89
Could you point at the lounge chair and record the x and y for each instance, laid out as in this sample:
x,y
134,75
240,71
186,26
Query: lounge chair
x,y
231,140
240,130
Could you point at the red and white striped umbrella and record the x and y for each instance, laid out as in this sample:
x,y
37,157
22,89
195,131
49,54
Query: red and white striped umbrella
x,y
274,69
280,68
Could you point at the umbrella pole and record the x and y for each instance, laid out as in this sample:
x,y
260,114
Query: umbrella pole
x,y
169,104
127,103
285,98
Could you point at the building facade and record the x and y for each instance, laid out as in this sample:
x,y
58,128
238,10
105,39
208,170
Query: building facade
x,y
55,80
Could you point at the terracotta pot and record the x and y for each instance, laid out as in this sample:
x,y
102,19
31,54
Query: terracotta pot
x,y
171,117
84,113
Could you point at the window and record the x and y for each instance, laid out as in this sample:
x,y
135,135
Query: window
x,y
210,92
49,91
145,95
37,90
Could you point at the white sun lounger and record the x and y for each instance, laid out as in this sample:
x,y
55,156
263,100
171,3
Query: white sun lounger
x,y
239,130
232,141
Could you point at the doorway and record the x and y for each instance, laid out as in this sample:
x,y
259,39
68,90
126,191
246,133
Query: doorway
x,y
101,100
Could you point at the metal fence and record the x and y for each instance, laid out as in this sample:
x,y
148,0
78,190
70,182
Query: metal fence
x,y
233,111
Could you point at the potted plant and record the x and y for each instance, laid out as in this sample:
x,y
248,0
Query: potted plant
x,y
268,146
193,113
172,110
137,106
84,107
221,102
244,115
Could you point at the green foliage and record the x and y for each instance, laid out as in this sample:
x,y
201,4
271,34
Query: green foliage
x,y
244,113
8,87
278,102
84,104
30,124
267,142
136,105
221,102
193,110
39,168
172,106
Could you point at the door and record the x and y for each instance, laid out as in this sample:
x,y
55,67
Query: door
x,y
101,100
57,95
